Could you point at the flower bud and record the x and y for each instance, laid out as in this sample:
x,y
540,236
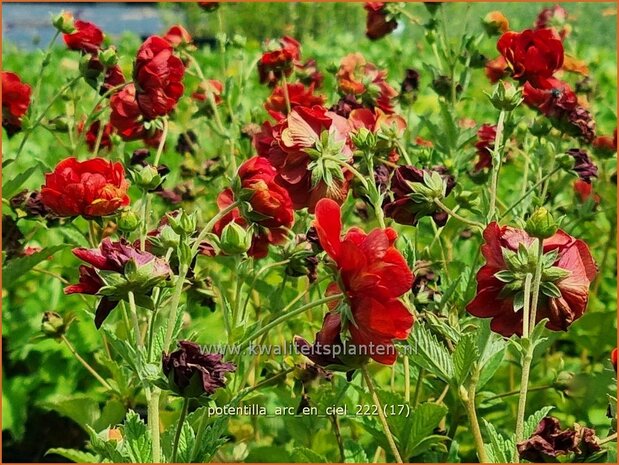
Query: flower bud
x,y
147,177
495,23
183,224
53,324
234,239
505,98
127,221
541,224
109,57
540,127
64,23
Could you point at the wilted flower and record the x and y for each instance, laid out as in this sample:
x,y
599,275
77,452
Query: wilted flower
x,y
298,95
208,88
414,191
95,187
192,372
87,37
308,73
380,20
118,268
409,86
372,275
345,105
548,442
485,145
568,270
583,165
278,60
269,210
426,282
496,69
15,102
554,17
31,204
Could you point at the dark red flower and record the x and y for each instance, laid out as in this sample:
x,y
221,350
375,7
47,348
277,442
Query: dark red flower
x,y
548,442
571,273
286,146
15,102
583,165
406,208
364,80
551,97
208,6
532,54
271,212
95,187
606,145
93,133
298,94
613,358
87,38
209,87
192,372
372,275
127,119
158,75
496,69
554,17
308,73
484,145
177,35
584,191
345,105
378,23
278,60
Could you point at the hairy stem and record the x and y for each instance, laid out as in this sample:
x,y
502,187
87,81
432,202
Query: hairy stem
x,y
497,157
90,369
179,428
468,398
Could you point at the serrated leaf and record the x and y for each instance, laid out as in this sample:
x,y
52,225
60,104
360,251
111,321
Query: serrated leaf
x,y
533,421
354,453
186,443
500,448
74,455
136,438
303,454
430,353
11,187
464,356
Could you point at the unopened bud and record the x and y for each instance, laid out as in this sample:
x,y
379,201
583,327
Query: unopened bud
x,y
127,220
541,224
505,97
147,177
52,324
234,239
64,23
109,57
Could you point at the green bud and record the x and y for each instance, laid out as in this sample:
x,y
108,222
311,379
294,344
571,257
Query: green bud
x,y
505,98
108,57
540,127
565,161
64,23
363,139
147,177
235,239
183,224
53,324
127,220
541,224
59,124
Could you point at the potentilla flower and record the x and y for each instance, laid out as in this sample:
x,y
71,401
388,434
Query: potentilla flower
x,y
345,105
15,102
95,187
268,209
380,21
496,69
606,145
584,192
178,36
552,97
387,129
127,119
364,80
158,75
207,88
192,372
532,54
580,123
278,60
308,73
484,145
117,268
554,17
495,23
372,275
414,191
583,165
308,148
568,270
93,134
409,86
298,94
613,359
548,442
87,38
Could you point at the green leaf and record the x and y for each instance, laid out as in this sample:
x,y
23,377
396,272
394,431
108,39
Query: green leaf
x,y
137,438
431,354
10,188
464,356
421,424
354,452
500,449
303,454
73,237
108,450
13,270
186,442
81,408
533,421
74,455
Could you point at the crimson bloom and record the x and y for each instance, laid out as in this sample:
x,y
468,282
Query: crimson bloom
x,y
496,69
553,17
298,94
613,358
95,187
568,271
278,60
92,134
584,191
532,54
127,119
207,88
484,145
15,102
372,275
87,37
378,23
271,213
295,145
177,35
158,75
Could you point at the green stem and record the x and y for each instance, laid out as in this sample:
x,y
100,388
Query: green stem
x,y
529,192
526,311
134,316
286,96
381,414
513,393
407,380
468,397
452,213
537,280
418,386
522,399
164,136
179,428
44,64
90,369
153,423
497,157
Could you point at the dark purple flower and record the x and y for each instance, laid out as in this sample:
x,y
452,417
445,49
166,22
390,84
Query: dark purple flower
x,y
192,372
345,105
584,167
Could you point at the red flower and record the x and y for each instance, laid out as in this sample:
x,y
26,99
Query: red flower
x,y
584,191
95,187
278,61
158,75
613,358
496,69
571,273
550,96
554,17
285,145
358,77
308,73
271,208
93,133
127,118
376,121
532,54
484,145
298,94
606,145
87,38
211,86
378,25
15,101
372,277
177,35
